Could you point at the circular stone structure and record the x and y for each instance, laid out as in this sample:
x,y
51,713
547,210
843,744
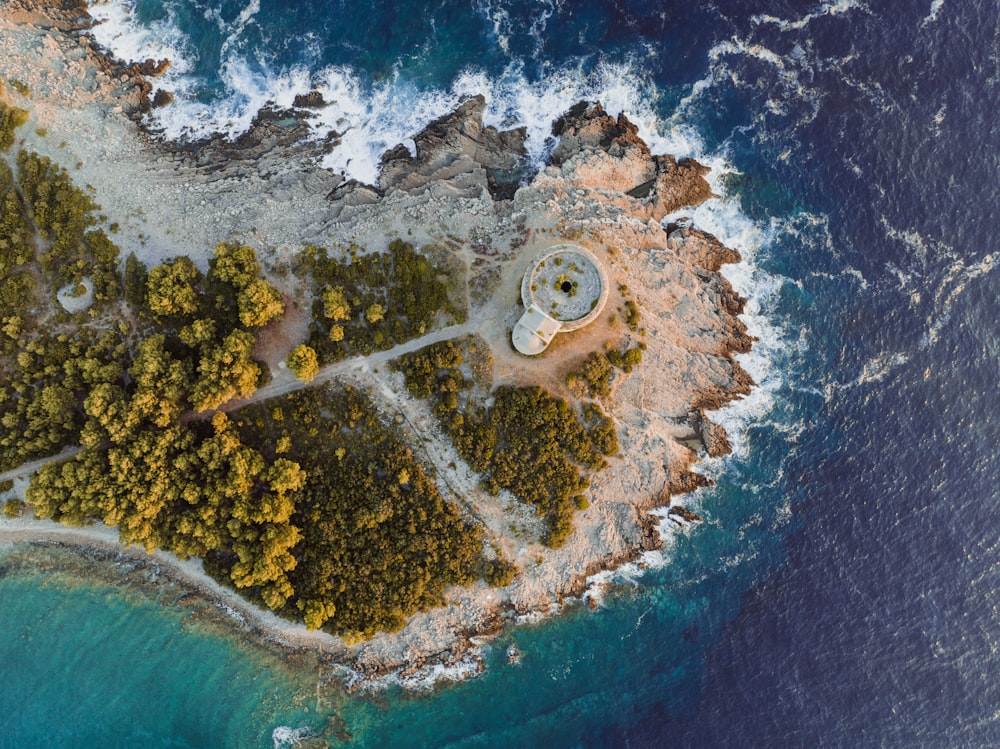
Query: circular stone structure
x,y
564,288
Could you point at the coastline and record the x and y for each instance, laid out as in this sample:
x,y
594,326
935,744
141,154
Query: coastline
x,y
218,192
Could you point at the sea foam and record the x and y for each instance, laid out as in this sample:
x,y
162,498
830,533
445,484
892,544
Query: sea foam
x,y
371,117
367,117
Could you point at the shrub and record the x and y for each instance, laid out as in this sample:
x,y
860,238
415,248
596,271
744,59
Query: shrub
x,y
499,572
596,372
11,118
632,315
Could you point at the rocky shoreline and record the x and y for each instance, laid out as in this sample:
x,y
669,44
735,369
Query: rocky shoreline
x,y
470,191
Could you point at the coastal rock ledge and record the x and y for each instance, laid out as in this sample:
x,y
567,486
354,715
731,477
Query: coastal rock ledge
x,y
471,189
469,192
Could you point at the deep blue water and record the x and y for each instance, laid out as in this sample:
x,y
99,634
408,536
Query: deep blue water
x,y
844,590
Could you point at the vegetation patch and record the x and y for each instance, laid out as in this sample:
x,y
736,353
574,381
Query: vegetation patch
x,y
191,489
17,252
528,441
11,118
13,508
370,302
597,373
203,323
44,386
379,542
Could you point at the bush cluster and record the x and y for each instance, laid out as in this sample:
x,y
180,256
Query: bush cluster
x,y
370,302
41,398
379,542
527,442
598,369
17,283
11,118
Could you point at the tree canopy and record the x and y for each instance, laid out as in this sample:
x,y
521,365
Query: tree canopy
x,y
371,301
528,442
303,363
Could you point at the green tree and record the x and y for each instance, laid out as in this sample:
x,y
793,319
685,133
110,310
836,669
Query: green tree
x,y
235,265
303,362
226,371
198,332
335,306
259,303
11,118
172,288
136,275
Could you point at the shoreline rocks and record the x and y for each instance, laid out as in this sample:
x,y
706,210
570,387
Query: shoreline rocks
x,y
469,191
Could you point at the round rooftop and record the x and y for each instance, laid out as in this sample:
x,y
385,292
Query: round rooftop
x,y
563,289
566,283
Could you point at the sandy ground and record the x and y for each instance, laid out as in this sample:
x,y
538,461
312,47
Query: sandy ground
x,y
164,207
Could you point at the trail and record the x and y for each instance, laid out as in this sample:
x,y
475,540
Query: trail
x,y
26,469
274,390
330,371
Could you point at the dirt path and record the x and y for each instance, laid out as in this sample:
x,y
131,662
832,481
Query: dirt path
x,y
283,387
26,469
290,384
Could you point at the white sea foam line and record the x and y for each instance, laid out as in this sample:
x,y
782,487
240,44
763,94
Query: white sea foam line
x,y
377,119
423,679
286,737
116,30
932,15
723,217
372,119
837,7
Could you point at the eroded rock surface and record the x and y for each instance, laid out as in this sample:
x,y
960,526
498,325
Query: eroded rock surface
x,y
468,193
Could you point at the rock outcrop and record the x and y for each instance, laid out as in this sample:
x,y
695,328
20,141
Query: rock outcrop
x,y
600,152
458,150
311,100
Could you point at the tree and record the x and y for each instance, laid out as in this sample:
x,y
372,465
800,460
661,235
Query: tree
x,y
162,382
316,613
375,313
303,362
11,118
235,265
136,276
259,303
171,288
198,332
226,371
335,306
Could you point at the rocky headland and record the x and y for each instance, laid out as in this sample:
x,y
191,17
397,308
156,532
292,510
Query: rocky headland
x,y
470,192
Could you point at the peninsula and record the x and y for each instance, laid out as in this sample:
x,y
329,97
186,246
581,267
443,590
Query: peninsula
x,y
382,422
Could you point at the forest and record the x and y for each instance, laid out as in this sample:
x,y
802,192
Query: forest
x,y
50,360
379,542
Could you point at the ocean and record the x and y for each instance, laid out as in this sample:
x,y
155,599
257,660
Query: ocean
x,y
844,589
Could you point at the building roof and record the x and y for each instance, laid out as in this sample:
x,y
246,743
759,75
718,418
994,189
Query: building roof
x,y
534,331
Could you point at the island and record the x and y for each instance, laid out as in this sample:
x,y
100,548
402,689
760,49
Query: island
x,y
380,422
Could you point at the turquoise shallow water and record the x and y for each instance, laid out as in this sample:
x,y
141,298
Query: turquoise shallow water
x,y
85,664
843,589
